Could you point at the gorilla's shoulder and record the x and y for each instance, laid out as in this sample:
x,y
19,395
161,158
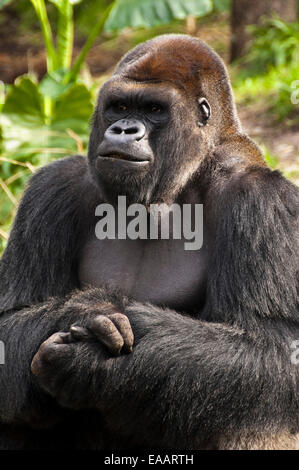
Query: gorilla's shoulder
x,y
60,183
65,169
263,191
57,194
266,181
238,174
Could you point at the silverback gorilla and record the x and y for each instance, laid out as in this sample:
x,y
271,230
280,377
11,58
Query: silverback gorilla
x,y
140,343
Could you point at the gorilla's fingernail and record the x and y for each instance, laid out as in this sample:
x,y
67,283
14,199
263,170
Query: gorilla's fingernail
x,y
78,332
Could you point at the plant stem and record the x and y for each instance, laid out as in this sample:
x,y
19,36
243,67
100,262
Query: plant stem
x,y
40,9
72,75
65,35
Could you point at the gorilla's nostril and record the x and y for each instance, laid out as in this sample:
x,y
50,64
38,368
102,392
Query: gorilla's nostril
x,y
131,130
117,130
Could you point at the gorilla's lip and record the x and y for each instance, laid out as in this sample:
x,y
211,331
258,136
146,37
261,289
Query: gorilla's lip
x,y
125,158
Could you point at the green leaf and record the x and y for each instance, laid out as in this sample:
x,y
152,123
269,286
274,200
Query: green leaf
x,y
25,102
73,109
150,13
52,84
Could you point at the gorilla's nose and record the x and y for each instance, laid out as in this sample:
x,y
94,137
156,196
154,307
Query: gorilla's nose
x,y
125,131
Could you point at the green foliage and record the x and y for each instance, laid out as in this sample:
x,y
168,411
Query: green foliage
x,y
274,88
271,67
32,136
25,108
61,55
145,13
277,80
31,133
150,13
275,44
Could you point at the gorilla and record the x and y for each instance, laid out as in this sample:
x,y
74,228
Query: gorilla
x,y
139,343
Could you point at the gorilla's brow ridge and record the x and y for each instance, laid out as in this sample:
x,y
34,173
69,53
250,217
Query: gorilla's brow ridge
x,y
144,95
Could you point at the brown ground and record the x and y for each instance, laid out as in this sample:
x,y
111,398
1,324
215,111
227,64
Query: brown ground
x,y
281,140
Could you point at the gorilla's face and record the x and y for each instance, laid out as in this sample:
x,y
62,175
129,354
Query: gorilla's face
x,y
147,144
152,126
135,118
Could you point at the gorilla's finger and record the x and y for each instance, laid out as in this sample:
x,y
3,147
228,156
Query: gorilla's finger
x,y
47,351
105,330
57,338
124,327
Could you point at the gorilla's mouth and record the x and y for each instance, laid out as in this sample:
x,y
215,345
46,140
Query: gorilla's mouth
x,y
125,158
130,158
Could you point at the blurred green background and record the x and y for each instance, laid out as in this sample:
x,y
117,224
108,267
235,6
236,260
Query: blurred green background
x,y
55,54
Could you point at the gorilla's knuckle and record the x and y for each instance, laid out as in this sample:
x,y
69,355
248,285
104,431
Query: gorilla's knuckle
x,y
48,351
103,324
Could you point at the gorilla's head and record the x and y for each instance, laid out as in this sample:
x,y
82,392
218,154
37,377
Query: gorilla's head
x,y
167,105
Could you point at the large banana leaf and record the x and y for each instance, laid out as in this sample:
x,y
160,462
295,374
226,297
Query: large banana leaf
x,y
150,13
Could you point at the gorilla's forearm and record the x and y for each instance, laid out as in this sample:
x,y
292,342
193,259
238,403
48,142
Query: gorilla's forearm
x,y
187,379
23,331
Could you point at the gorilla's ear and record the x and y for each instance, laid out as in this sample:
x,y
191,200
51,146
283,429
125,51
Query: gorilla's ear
x,y
204,111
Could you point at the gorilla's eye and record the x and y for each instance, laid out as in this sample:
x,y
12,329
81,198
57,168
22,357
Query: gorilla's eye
x,y
205,111
121,107
155,108
116,110
156,112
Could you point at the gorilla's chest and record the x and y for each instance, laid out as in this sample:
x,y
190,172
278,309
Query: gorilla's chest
x,y
159,271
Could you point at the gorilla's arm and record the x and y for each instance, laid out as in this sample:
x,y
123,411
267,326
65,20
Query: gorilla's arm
x,y
188,380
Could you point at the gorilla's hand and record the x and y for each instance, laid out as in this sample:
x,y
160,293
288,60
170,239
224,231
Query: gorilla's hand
x,y
65,363
113,330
